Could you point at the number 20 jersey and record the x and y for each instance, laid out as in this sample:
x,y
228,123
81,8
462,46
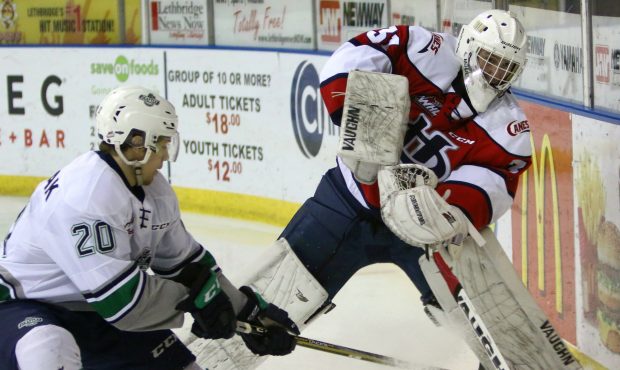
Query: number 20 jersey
x,y
86,238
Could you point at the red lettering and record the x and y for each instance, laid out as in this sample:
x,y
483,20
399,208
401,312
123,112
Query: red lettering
x,y
27,138
44,140
60,139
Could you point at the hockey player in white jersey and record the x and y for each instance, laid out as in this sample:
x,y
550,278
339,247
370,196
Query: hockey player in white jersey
x,y
74,288
436,113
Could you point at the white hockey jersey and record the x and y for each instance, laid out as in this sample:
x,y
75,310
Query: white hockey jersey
x,y
87,236
479,161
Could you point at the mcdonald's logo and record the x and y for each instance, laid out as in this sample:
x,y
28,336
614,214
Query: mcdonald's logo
x,y
538,173
542,219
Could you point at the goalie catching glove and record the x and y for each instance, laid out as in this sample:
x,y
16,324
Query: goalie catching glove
x,y
414,211
276,340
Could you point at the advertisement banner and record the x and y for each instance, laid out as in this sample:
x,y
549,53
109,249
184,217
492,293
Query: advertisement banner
x,y
178,23
264,23
250,122
339,21
554,52
606,62
66,22
48,113
542,219
597,184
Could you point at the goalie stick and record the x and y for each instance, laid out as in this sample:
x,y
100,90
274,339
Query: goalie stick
x,y
246,328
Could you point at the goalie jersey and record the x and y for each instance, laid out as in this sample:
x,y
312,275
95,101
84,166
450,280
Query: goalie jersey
x,y
478,162
90,242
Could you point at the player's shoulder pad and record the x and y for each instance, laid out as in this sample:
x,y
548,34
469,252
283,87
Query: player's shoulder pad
x,y
422,40
92,187
506,124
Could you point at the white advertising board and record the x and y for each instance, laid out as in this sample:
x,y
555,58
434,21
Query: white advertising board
x,y
264,23
339,21
47,113
175,22
554,66
252,122
597,187
606,40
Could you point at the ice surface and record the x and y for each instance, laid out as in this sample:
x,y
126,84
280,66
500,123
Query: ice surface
x,y
377,311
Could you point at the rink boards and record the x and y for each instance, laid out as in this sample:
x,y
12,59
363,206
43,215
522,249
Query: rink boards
x,y
256,139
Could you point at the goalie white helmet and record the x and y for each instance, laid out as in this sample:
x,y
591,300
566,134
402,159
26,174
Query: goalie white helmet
x,y
127,112
492,51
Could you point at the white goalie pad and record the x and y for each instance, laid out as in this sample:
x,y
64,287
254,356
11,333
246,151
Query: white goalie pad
x,y
281,279
374,121
498,318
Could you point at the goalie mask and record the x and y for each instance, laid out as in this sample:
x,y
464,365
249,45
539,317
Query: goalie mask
x,y
137,117
492,51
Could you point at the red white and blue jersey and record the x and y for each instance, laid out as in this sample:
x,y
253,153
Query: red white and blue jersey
x,y
478,161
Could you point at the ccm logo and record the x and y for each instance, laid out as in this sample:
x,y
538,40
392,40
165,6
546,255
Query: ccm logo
x,y
516,127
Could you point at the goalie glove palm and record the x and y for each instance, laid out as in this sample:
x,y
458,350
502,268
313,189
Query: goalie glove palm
x,y
414,211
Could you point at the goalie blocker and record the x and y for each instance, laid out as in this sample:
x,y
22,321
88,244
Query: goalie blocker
x,y
374,121
484,301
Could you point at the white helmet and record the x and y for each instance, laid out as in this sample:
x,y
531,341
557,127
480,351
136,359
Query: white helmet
x,y
492,53
132,111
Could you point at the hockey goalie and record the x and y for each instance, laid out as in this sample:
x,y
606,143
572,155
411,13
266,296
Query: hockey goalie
x,y
432,144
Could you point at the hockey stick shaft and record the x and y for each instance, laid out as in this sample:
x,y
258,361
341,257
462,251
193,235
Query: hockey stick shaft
x,y
243,327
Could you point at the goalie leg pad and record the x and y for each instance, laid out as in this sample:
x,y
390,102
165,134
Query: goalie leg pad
x,y
491,306
520,327
281,279
451,315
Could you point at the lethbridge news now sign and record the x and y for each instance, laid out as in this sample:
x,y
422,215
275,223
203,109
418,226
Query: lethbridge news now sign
x,y
178,22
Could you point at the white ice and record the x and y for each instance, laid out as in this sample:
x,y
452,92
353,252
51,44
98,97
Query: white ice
x,y
377,311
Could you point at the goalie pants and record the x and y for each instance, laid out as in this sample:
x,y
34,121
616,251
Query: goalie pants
x,y
102,346
334,237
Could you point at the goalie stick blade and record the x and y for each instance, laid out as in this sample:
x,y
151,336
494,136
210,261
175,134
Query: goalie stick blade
x,y
246,328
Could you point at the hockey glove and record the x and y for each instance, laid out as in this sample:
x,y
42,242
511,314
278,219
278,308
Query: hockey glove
x,y
276,341
211,308
453,112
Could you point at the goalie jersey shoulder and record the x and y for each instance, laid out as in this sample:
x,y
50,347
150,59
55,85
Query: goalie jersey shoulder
x,y
506,124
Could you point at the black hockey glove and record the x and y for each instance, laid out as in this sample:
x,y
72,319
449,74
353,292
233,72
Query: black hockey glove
x,y
276,341
211,308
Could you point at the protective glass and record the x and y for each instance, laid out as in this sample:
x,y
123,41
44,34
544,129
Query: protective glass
x,y
496,69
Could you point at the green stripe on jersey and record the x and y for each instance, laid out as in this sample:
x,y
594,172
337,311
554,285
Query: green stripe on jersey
x,y
5,293
117,301
207,260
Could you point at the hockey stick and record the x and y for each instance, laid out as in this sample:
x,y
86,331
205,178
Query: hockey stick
x,y
245,328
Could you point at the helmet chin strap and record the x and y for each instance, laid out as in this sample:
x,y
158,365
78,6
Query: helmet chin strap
x,y
138,172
